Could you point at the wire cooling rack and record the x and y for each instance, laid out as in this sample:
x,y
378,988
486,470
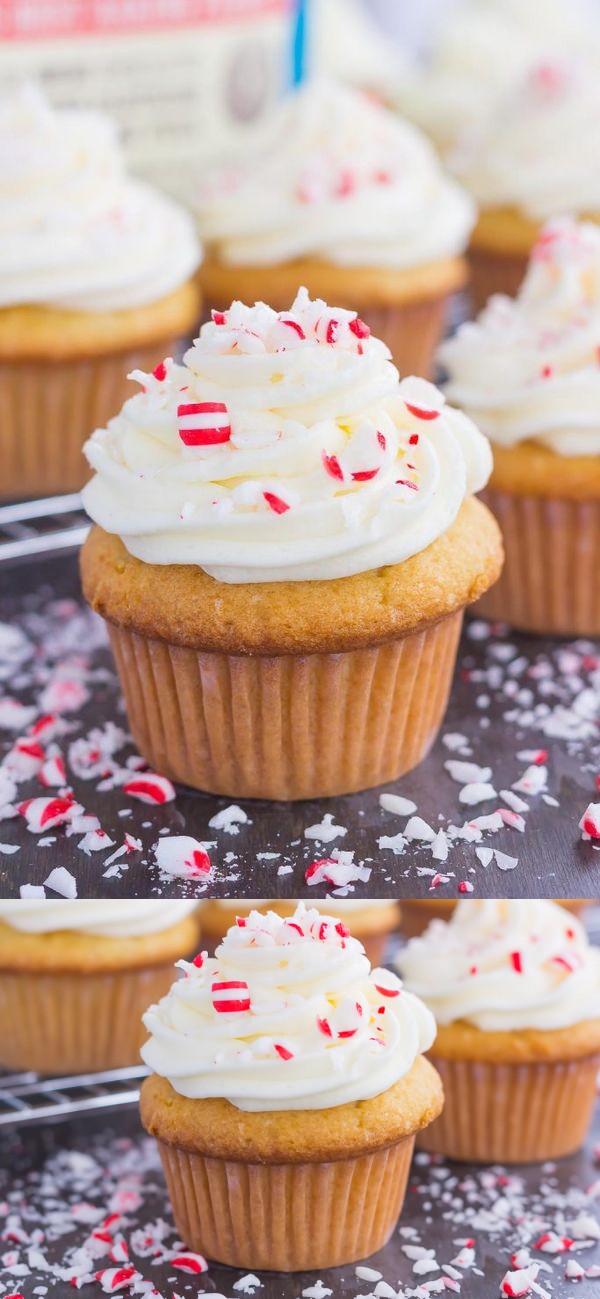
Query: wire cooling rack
x,y
38,527
27,1098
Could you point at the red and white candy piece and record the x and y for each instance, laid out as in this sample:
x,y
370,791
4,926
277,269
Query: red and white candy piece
x,y
590,822
116,1278
194,1264
203,423
230,996
386,983
182,857
518,1283
25,759
53,772
551,1243
150,788
45,813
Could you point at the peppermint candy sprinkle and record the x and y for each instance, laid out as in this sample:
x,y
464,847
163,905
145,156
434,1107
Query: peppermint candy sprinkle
x,y
230,996
203,423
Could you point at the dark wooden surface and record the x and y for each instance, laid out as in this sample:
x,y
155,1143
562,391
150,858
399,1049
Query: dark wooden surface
x,y
35,1170
552,859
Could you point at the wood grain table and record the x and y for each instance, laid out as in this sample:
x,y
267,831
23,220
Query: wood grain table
x,y
514,699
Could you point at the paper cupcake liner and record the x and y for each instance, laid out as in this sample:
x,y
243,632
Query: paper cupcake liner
x,y
287,1217
74,1023
412,332
287,727
512,1113
49,408
494,272
550,582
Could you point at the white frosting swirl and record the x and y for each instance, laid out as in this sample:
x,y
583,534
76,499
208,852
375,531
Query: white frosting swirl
x,y
340,179
332,467
536,151
505,966
481,49
100,918
529,368
306,1025
75,230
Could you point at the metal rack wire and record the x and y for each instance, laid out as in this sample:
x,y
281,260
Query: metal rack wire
x,y
37,527
27,1098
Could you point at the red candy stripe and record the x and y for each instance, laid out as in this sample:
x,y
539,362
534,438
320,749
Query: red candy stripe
x,y
333,467
203,423
420,413
227,1003
275,503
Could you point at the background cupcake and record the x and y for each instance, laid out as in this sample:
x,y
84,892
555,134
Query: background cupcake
x,y
95,279
75,978
350,201
417,913
529,161
288,1074
371,922
527,371
478,53
286,544
515,990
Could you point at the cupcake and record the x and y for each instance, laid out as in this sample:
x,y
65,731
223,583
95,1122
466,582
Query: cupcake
x,y
286,541
526,163
371,922
288,1086
76,976
351,201
481,50
527,371
97,277
417,913
515,990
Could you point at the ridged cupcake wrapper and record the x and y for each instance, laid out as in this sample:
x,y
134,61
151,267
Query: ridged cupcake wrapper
x,y
49,408
491,272
76,1022
288,727
412,332
512,1113
287,1217
550,582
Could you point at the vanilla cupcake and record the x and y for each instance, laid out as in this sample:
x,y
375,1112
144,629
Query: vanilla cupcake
x,y
527,370
350,201
288,1081
97,277
286,542
515,990
371,922
481,50
417,913
530,161
75,978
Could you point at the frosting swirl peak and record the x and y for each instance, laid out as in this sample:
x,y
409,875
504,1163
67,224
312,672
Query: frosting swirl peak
x,y
287,1015
341,179
529,367
76,231
285,448
505,966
